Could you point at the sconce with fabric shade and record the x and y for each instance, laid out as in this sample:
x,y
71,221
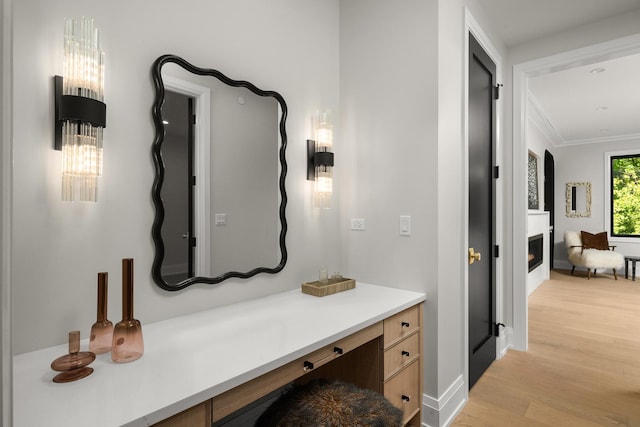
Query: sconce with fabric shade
x,y
80,112
320,163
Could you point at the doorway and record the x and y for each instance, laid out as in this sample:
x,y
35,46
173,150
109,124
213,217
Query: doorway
x,y
178,233
521,74
549,199
481,218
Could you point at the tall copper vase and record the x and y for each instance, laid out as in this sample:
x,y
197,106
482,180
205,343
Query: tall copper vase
x,y
127,344
101,331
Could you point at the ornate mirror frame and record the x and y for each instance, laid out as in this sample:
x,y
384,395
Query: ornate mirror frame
x,y
579,211
160,174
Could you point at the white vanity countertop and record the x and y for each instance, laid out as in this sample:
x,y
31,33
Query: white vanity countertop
x,y
192,358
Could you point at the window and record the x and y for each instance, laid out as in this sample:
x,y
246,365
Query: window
x,y
625,195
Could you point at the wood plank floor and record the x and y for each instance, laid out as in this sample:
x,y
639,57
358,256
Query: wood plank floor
x,y
583,363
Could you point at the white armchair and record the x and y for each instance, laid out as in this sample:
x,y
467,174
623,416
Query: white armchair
x,y
587,256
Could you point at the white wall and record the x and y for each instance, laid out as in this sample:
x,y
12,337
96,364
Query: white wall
x,y
402,79
388,58
537,143
288,45
586,163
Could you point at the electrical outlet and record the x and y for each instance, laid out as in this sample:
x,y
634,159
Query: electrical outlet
x,y
357,224
221,219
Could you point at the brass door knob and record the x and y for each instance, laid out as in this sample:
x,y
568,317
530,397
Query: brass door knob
x,y
474,256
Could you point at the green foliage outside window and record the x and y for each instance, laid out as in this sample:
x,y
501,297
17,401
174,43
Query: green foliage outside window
x,y
625,174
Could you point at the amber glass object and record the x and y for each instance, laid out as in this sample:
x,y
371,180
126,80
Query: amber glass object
x,y
102,330
73,366
127,344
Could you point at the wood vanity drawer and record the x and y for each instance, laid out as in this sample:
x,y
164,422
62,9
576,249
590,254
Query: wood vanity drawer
x,y
403,390
401,325
401,355
234,399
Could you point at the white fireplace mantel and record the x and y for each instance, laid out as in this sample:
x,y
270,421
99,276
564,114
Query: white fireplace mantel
x,y
538,223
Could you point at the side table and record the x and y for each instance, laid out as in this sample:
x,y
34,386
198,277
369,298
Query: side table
x,y
633,260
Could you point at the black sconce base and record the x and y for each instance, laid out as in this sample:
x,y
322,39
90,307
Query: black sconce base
x,y
76,109
311,151
316,158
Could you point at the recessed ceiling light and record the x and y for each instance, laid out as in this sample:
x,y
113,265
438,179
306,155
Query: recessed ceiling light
x,y
598,70
604,130
602,108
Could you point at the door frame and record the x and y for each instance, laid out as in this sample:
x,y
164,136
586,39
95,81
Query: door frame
x,y
472,27
202,166
6,207
521,73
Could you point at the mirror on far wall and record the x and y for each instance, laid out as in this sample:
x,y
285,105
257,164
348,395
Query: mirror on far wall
x,y
220,169
578,197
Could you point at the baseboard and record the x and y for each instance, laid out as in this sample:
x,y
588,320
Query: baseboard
x,y
442,411
561,264
505,341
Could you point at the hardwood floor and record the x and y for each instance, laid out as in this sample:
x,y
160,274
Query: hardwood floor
x,y
583,363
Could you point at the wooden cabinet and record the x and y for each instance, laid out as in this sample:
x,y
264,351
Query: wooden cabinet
x,y
242,395
402,365
208,363
384,356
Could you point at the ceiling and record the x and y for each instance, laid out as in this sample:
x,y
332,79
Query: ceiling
x,y
599,102
591,103
519,21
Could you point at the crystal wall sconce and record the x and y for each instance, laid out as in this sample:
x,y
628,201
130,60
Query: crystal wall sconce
x,y
320,163
80,112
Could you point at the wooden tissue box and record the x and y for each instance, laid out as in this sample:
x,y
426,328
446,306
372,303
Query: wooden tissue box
x,y
331,287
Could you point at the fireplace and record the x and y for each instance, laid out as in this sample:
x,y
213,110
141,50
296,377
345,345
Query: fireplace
x,y
535,251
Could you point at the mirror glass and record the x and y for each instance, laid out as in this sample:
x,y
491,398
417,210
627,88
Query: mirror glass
x,y
219,192
578,195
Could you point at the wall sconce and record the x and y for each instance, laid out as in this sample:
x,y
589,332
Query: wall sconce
x,y
320,163
80,113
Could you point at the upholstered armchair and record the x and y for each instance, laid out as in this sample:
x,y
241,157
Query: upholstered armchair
x,y
592,251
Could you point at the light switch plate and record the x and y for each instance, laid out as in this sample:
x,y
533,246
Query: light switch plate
x,y
405,225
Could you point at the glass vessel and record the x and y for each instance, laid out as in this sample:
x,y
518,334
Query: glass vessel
x,y
127,344
73,366
102,330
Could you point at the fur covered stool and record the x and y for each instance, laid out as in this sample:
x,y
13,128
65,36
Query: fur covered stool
x,y
322,403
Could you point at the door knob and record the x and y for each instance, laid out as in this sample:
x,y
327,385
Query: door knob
x,y
473,256
184,236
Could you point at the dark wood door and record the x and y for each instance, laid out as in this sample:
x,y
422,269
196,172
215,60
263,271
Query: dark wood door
x,y
549,197
191,181
482,84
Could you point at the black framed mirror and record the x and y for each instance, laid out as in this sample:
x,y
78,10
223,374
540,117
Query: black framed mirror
x,y
220,169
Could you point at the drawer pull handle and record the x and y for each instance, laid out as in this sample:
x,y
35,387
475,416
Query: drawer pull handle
x,y
338,350
405,353
405,324
308,365
405,398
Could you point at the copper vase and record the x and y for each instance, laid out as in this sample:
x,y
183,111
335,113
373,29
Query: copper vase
x,y
127,344
73,366
101,331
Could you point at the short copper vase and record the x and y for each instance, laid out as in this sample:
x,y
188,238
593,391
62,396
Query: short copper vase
x,y
101,331
73,366
127,344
